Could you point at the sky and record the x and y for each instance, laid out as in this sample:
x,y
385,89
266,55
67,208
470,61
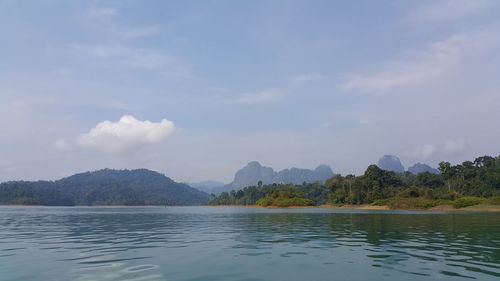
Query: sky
x,y
196,89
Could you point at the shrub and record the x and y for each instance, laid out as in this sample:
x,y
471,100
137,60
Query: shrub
x,y
288,202
445,194
381,202
494,200
467,201
414,203
265,201
284,202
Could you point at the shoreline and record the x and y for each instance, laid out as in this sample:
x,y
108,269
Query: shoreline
x,y
366,207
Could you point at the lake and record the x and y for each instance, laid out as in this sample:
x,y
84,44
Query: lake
x,y
209,243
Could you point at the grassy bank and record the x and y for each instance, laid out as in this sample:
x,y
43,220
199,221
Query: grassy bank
x,y
284,202
424,204
370,207
465,203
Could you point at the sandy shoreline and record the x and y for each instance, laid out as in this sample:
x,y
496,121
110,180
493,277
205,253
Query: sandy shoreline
x,y
368,207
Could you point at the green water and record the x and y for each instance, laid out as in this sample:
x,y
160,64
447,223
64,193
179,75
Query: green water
x,y
203,243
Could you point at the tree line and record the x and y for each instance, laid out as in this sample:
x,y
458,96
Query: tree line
x,y
479,178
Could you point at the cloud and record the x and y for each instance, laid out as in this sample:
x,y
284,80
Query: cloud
x,y
455,146
135,32
449,147
276,94
102,12
265,96
138,58
306,78
423,152
62,145
103,19
411,69
126,134
450,10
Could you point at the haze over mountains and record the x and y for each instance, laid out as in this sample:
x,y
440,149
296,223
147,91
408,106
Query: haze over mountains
x,y
422,168
206,186
254,172
393,164
146,187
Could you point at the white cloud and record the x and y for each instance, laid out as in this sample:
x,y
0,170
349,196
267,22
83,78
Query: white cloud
x,y
265,96
126,134
412,69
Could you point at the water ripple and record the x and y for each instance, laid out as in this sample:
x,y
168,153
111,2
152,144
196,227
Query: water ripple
x,y
245,244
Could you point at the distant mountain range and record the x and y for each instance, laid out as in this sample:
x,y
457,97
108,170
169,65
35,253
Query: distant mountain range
x,y
392,163
206,186
254,172
422,168
146,187
103,187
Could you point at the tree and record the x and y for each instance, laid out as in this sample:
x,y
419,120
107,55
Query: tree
x,y
447,171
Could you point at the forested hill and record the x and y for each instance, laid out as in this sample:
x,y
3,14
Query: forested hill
x,y
103,187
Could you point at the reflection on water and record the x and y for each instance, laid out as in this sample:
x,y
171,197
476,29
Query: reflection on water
x,y
245,244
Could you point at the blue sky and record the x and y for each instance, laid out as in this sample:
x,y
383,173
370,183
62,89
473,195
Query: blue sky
x,y
287,83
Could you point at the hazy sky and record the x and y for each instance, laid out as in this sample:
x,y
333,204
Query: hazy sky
x,y
196,89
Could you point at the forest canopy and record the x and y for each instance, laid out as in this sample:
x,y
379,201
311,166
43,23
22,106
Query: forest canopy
x,y
478,178
103,187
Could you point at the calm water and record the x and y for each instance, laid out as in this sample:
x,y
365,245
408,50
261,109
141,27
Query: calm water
x,y
198,243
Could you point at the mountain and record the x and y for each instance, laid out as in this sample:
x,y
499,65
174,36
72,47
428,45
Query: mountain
x,y
206,186
298,176
422,168
254,172
251,174
391,163
103,187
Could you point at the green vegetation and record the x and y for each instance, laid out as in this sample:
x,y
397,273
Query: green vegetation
x,y
276,195
283,202
417,203
467,184
103,187
467,201
284,196
462,185
494,200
